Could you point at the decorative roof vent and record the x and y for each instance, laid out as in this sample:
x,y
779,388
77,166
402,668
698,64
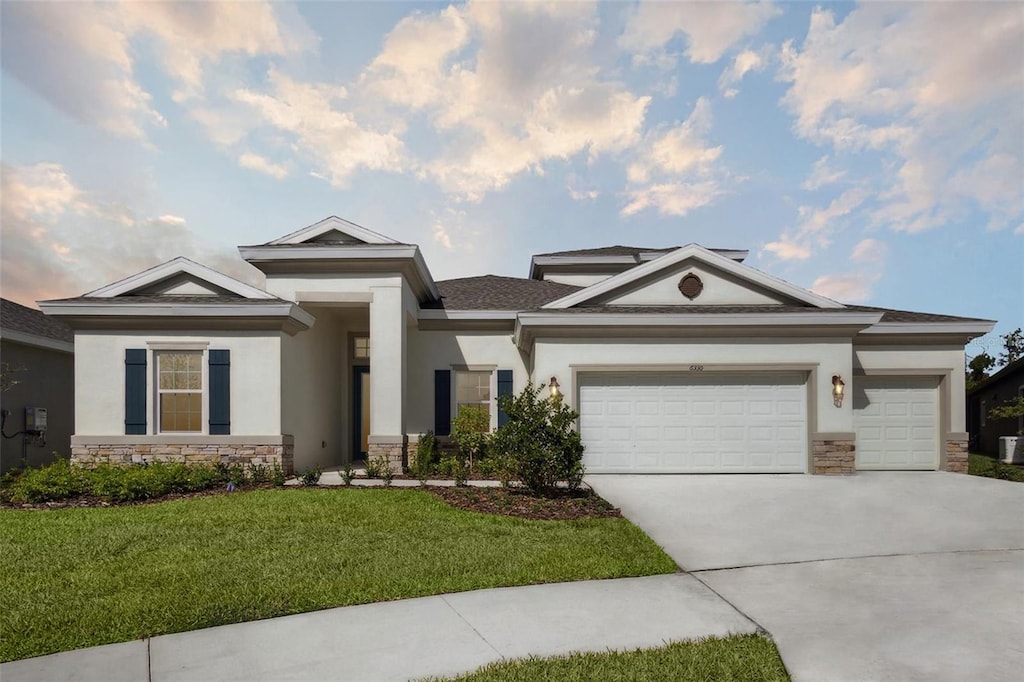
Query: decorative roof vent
x,y
690,286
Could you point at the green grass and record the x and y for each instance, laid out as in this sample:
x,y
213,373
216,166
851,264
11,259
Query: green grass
x,y
73,578
744,658
990,467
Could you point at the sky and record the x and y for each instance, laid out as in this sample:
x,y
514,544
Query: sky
x,y
873,153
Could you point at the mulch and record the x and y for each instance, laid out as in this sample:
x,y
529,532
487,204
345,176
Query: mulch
x,y
86,501
560,505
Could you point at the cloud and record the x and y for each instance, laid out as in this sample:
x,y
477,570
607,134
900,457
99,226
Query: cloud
x,y
869,251
711,29
676,170
816,226
947,125
745,62
59,240
260,164
92,76
785,249
850,287
822,175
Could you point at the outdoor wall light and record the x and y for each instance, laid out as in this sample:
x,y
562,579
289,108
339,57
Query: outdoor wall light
x,y
555,393
837,390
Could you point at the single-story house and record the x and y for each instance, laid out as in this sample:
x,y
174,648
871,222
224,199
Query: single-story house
x,y
37,354
678,359
995,391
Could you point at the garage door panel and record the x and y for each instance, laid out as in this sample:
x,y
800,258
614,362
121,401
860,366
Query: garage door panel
x,y
706,423
896,422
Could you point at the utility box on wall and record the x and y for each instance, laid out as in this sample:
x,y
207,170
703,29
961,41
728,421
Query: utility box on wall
x,y
35,420
1011,450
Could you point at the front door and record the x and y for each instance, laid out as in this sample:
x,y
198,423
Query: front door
x,y
360,411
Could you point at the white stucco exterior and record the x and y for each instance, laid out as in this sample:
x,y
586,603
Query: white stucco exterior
x,y
293,377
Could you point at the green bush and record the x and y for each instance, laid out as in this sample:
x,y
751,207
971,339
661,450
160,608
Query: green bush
x,y
538,443
311,476
428,454
112,483
471,432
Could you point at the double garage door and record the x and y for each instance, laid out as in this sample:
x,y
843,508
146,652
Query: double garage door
x,y
750,423
693,423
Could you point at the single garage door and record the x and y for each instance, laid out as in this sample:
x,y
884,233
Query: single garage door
x,y
896,422
693,423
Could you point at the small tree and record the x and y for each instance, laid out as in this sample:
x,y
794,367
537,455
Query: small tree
x,y
1013,346
471,431
538,443
978,367
1010,409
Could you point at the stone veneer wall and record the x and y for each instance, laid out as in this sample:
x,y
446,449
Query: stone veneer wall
x,y
956,454
283,455
833,455
394,450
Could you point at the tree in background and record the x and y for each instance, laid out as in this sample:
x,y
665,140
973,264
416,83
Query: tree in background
x,y
981,365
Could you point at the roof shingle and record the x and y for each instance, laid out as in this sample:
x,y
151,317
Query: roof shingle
x,y
492,292
16,317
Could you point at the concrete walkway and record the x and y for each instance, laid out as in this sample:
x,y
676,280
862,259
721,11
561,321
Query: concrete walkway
x,y
414,638
898,576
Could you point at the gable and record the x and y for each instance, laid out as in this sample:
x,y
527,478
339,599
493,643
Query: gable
x,y
183,284
333,230
644,285
716,288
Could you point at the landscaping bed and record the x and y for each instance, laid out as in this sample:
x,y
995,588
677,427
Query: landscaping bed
x,y
558,505
989,466
742,658
72,578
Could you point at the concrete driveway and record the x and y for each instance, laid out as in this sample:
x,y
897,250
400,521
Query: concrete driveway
x,y
878,576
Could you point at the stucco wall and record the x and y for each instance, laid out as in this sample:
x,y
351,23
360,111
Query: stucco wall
x,y
46,379
99,379
946,362
720,288
432,350
557,357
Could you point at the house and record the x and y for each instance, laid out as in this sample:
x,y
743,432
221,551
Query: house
x,y
994,391
37,353
678,360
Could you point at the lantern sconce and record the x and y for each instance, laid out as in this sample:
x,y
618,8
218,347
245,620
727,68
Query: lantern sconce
x,y
555,393
838,390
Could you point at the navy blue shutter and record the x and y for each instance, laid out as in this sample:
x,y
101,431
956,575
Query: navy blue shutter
x,y
442,402
135,391
220,392
504,388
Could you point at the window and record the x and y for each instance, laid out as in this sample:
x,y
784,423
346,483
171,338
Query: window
x,y
473,389
984,413
362,347
180,391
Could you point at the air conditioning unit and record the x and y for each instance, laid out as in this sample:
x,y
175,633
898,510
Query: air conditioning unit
x,y
1011,450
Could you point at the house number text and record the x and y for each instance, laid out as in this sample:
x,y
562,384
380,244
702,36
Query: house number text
x,y
696,368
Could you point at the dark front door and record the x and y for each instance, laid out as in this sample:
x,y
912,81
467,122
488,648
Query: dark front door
x,y
360,411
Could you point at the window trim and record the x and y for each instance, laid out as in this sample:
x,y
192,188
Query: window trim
x,y
154,352
492,371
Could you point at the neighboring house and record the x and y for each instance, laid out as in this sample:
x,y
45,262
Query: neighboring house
x,y
38,357
678,359
994,391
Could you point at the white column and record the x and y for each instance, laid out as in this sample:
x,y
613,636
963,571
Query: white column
x,y
387,364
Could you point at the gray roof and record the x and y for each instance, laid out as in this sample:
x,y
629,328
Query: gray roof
x,y
492,292
888,315
608,251
16,317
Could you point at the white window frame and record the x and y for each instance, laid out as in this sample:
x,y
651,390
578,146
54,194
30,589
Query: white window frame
x,y
493,383
155,351
355,347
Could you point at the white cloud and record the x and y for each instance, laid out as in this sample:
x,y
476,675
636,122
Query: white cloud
x,y
869,251
785,249
946,113
816,226
92,78
822,175
711,28
59,240
262,165
745,62
676,170
850,287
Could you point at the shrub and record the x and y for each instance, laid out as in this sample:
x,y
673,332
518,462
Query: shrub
x,y
277,475
375,466
347,473
428,453
58,481
311,476
387,475
471,432
538,442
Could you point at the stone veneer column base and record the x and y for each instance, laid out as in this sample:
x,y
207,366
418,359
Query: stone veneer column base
x,y
395,449
89,454
833,453
956,453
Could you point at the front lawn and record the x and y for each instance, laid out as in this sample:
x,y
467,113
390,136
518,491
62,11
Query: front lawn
x,y
990,467
743,658
74,578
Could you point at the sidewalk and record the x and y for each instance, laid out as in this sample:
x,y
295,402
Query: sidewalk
x,y
412,638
